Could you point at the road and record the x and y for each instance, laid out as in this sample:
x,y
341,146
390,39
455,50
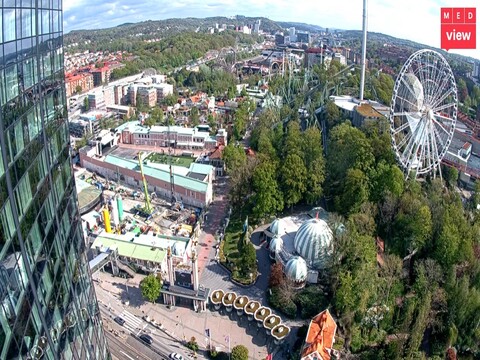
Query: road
x,y
124,341
128,348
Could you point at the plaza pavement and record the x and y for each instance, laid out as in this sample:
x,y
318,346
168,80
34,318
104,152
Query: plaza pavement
x,y
181,322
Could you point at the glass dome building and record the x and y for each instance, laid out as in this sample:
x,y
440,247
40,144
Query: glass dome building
x,y
296,271
275,246
313,242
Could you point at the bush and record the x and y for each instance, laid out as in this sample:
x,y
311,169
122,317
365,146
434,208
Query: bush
x,y
239,352
310,300
212,354
192,344
288,307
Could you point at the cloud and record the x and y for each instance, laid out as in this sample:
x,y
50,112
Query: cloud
x,y
417,20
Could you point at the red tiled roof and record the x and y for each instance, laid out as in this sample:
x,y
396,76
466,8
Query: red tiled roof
x,y
320,336
313,50
102,69
217,153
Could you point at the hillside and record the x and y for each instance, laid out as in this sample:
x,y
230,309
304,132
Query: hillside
x,y
143,37
158,29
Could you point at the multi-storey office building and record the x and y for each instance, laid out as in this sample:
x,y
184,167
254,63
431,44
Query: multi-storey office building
x,y
48,307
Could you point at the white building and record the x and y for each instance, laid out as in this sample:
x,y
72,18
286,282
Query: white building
x,y
302,244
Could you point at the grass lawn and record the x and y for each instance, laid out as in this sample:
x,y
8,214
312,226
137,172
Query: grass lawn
x,y
229,254
184,161
232,236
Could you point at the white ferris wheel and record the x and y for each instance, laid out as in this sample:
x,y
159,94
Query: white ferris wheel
x,y
423,112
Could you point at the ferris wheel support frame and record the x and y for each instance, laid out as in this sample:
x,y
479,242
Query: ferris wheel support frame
x,y
423,112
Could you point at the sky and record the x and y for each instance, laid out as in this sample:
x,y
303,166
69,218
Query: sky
x,y
417,20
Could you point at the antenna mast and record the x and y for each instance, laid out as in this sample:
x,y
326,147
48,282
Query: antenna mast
x,y
364,48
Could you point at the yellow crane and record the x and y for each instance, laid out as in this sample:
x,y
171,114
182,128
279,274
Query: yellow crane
x,y
148,207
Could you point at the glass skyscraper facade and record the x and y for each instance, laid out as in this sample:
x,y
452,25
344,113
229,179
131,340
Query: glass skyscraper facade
x,y
48,307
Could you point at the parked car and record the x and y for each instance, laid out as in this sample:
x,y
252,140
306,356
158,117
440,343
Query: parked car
x,y
119,321
176,356
147,339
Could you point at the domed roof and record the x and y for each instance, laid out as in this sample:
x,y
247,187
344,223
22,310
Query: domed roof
x,y
296,269
275,227
276,244
313,242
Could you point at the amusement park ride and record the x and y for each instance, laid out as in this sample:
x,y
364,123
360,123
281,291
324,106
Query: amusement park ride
x,y
423,113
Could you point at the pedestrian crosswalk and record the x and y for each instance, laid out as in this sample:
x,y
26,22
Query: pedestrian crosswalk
x,y
131,320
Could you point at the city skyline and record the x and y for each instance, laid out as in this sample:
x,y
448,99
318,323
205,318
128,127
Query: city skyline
x,y
414,20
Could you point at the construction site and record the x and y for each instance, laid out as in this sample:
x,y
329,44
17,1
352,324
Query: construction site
x,y
130,230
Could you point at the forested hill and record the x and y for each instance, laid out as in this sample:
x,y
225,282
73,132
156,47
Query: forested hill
x,y
158,29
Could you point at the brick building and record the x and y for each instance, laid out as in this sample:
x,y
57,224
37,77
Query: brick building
x,y
178,136
101,76
72,81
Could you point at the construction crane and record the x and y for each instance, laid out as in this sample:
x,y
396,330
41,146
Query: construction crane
x,y
148,207
172,178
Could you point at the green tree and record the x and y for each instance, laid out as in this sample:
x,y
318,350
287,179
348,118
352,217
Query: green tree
x,y
249,259
413,225
78,89
239,127
241,183
314,163
386,179
170,120
355,194
476,195
194,116
293,178
293,140
156,114
192,344
212,123
348,149
267,198
231,92
239,352
81,143
170,100
234,158
266,121
140,104
265,145
150,287
150,121
86,105
332,114
451,175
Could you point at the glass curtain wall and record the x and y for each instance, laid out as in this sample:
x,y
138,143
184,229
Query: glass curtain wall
x,y
48,307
